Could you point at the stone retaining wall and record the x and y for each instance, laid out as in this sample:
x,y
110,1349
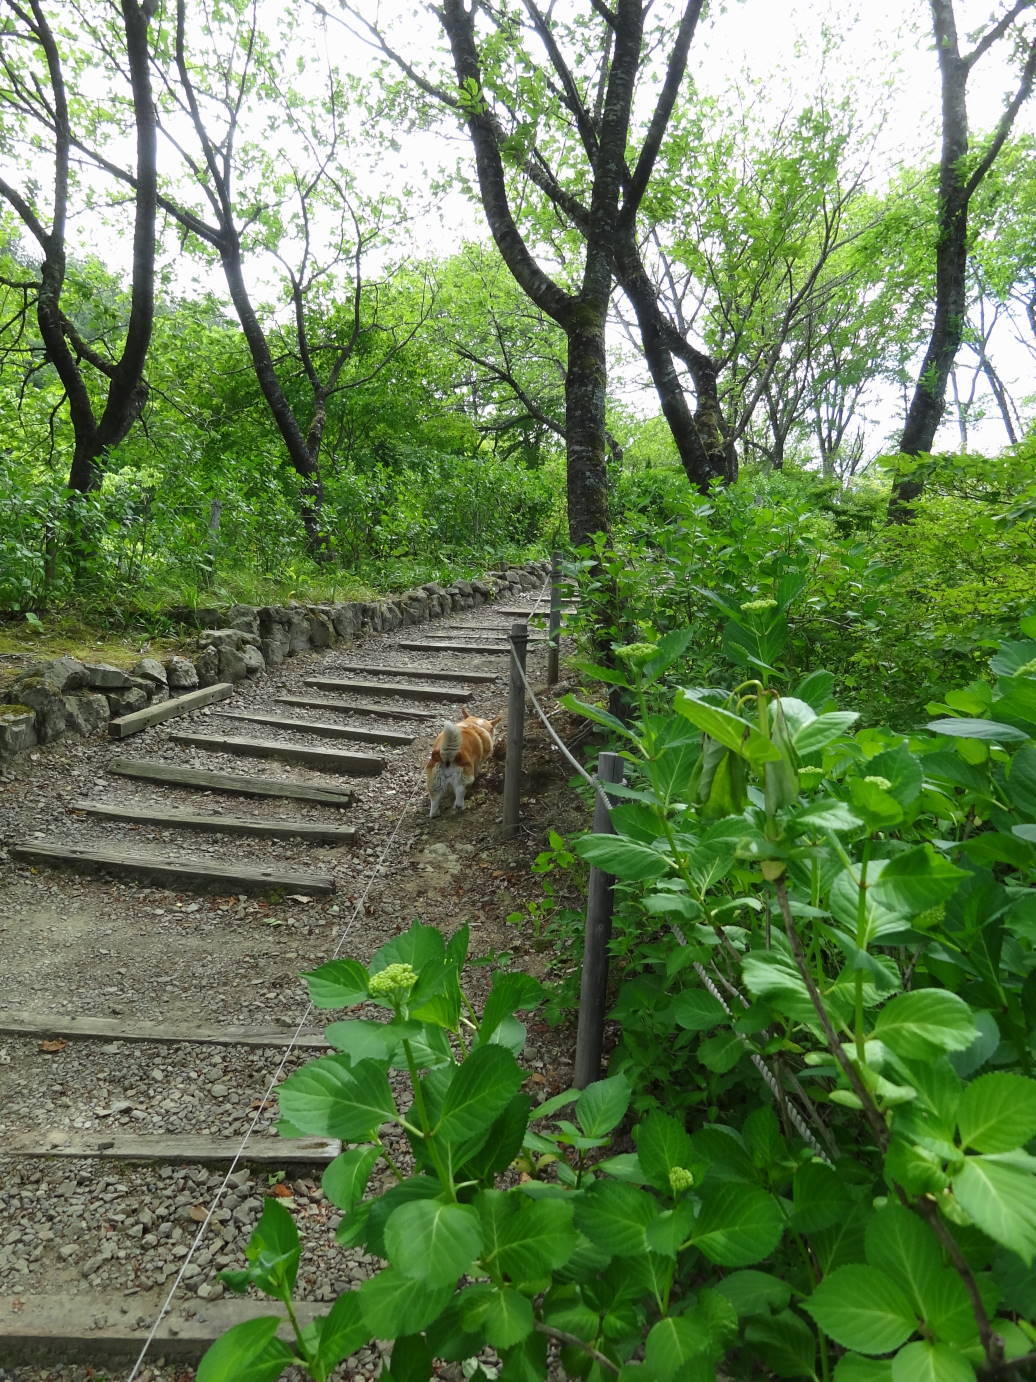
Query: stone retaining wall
x,y
65,696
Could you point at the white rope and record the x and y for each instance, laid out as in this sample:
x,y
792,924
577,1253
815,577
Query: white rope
x,y
275,1077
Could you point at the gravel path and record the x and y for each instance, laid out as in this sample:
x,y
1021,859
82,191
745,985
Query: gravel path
x,y
91,946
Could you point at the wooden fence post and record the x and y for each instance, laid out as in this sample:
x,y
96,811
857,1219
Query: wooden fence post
x,y
593,987
554,626
519,639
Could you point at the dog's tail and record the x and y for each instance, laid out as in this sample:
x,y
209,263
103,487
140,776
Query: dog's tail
x,y
451,742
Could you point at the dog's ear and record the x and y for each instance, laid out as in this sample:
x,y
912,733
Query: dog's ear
x,y
466,711
493,723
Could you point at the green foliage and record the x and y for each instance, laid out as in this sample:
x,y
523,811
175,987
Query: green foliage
x,y
820,925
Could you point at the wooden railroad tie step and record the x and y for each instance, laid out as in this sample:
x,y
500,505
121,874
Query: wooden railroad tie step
x,y
170,817
166,710
388,712
429,646
366,736
241,784
541,613
324,760
41,1330
163,1033
380,688
421,673
195,874
119,1146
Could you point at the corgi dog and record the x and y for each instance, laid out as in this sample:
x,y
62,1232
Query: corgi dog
x,y
457,754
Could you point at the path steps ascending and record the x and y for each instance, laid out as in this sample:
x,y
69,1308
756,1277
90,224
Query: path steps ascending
x,y
195,874
241,784
383,688
420,673
168,818
318,727
168,710
388,712
324,760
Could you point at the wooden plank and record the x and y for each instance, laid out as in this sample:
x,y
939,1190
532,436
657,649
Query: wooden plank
x,y
388,712
125,725
324,760
191,873
421,673
119,1146
241,784
163,1033
219,825
68,1328
540,613
430,646
381,688
327,731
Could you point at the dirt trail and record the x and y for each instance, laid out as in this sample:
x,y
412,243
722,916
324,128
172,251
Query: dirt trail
x,y
105,1239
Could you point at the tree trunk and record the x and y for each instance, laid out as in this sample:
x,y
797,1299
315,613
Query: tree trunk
x,y
957,184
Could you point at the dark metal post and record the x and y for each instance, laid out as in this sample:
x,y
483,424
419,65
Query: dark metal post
x,y
519,639
554,627
594,985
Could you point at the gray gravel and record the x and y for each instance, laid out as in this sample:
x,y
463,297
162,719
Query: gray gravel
x,y
102,948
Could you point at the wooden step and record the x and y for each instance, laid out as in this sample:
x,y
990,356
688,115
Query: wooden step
x,y
102,1329
171,817
381,688
133,723
241,784
195,874
120,1146
429,646
366,736
388,712
421,673
323,760
540,612
162,1033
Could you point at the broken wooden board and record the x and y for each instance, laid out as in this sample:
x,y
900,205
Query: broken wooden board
x,y
421,673
388,712
328,731
241,784
102,1329
177,873
133,723
381,688
324,760
163,1033
120,1146
172,818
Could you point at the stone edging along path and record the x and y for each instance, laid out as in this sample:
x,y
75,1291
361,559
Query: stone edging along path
x,y
65,696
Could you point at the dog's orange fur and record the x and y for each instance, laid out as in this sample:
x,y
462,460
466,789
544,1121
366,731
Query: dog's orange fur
x,y
457,754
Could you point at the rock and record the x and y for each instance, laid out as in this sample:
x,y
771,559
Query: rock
x,y
85,712
232,664
321,631
125,702
57,677
346,620
254,661
151,670
206,664
243,617
274,651
298,630
102,677
17,729
181,674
